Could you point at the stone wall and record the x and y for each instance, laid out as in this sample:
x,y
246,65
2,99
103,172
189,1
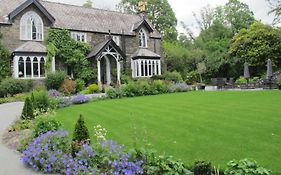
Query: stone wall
x,y
11,33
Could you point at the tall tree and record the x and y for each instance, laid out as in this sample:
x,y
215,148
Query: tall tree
x,y
238,15
257,44
205,20
159,12
88,4
276,10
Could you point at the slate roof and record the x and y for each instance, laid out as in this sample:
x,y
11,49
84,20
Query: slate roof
x,y
31,46
145,53
97,49
82,19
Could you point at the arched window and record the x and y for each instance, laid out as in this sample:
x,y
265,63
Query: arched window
x,y
35,67
21,67
142,38
28,67
42,67
31,27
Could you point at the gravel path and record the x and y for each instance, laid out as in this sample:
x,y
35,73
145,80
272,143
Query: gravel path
x,y
10,163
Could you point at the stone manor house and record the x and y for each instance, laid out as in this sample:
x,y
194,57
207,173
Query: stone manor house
x,y
119,41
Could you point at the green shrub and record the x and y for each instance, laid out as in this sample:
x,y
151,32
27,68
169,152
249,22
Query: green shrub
x,y
28,111
93,88
160,87
157,77
44,124
55,80
192,78
202,168
241,80
245,167
154,164
128,90
11,86
21,125
173,76
279,81
125,79
41,101
80,85
68,87
80,136
81,131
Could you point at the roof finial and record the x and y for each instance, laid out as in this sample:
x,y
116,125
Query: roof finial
x,y
142,5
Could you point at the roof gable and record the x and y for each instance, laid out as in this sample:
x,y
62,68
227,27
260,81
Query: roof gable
x,y
99,48
26,4
142,23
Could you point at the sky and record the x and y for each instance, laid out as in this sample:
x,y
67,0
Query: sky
x,y
184,9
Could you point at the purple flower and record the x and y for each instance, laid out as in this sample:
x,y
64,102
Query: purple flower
x,y
80,99
53,93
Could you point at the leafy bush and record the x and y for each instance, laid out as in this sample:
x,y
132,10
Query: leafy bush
x,y
125,79
173,76
160,87
21,125
202,168
93,88
68,87
42,102
113,93
153,164
80,99
45,124
241,80
12,86
47,152
157,77
80,85
245,167
279,82
55,80
28,111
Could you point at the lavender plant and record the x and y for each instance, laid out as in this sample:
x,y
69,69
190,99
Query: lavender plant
x,y
80,99
54,93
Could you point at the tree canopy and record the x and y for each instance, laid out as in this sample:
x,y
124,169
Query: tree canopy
x,y
159,12
276,10
257,44
88,4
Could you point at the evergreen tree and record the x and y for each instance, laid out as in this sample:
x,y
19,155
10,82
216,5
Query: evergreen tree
x,y
27,112
81,132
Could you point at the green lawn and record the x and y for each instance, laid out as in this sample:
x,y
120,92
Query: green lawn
x,y
215,126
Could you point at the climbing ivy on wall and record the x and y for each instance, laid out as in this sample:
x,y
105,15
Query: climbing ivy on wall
x,y
4,61
72,53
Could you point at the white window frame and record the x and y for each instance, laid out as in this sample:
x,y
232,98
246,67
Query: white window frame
x,y
30,21
142,38
78,36
36,67
145,67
